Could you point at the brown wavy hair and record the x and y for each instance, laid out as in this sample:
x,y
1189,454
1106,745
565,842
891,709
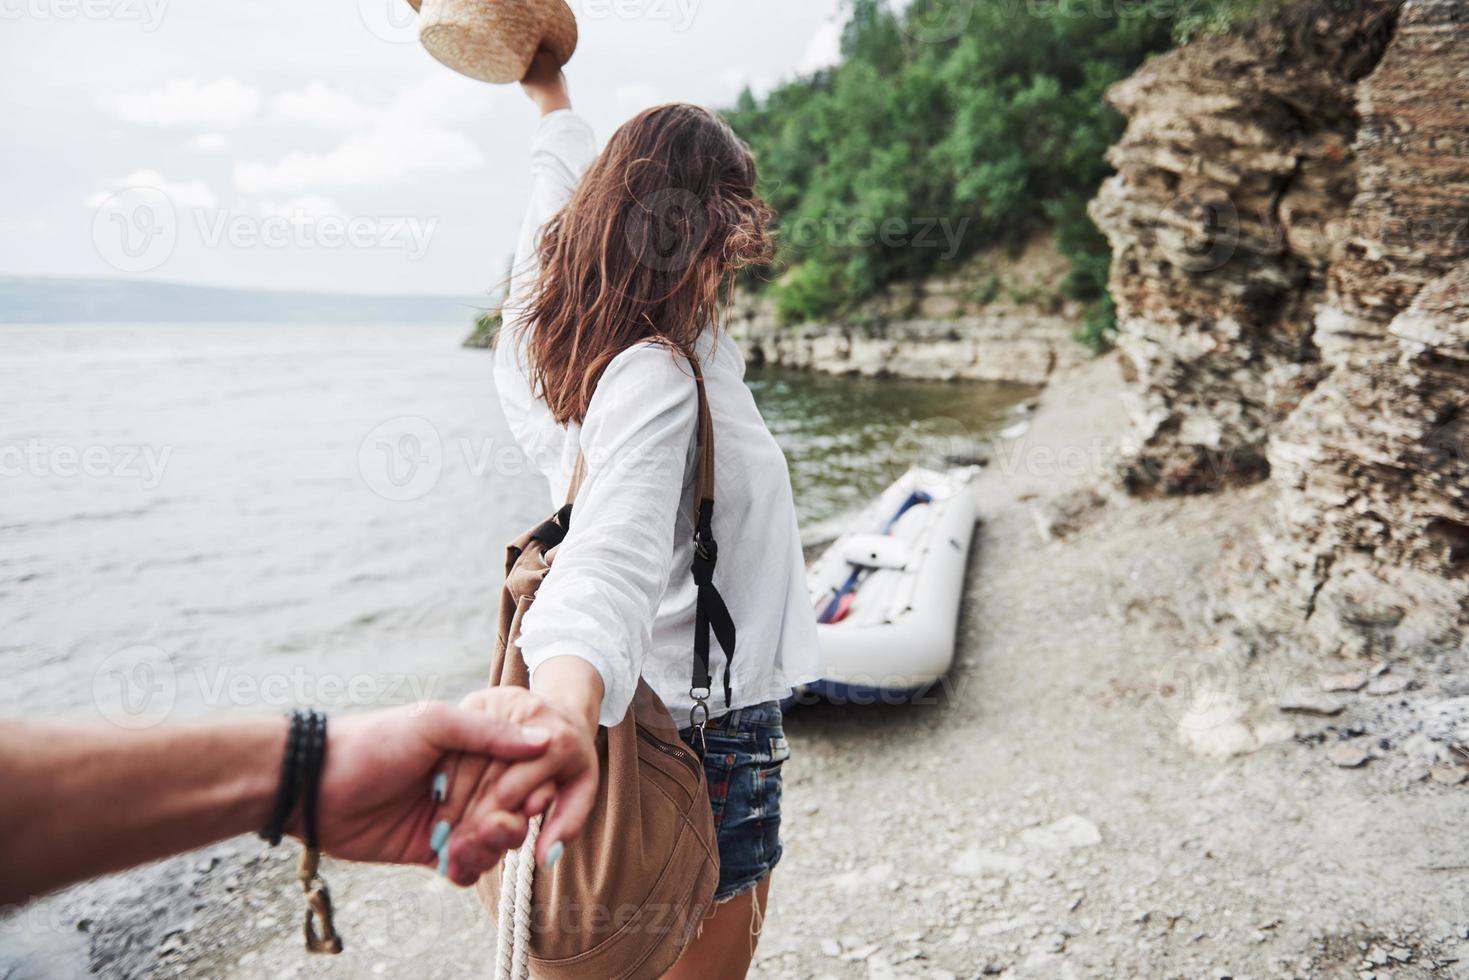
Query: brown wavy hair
x,y
644,250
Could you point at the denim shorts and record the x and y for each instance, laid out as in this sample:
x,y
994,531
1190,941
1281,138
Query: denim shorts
x,y
745,750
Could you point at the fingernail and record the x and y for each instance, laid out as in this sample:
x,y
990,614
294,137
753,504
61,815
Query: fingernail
x,y
441,787
554,854
534,734
444,863
440,836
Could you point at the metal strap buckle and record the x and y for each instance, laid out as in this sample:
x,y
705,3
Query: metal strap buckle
x,y
699,717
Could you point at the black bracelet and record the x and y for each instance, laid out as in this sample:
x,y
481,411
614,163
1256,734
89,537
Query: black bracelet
x,y
311,778
290,784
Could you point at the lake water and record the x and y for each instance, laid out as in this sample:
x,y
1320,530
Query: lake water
x,y
214,518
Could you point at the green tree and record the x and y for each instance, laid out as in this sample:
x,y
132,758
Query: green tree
x,y
1000,130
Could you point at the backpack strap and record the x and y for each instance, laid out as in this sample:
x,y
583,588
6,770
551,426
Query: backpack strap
x,y
711,613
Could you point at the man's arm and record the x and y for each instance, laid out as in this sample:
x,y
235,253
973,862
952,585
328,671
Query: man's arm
x,y
83,800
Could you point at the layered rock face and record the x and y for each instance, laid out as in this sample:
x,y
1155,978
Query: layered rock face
x,y
1409,222
1333,354
999,319
1236,160
1371,544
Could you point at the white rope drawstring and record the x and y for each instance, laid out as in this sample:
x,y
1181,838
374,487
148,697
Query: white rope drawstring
x,y
517,876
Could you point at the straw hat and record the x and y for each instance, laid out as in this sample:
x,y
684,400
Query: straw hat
x,y
495,40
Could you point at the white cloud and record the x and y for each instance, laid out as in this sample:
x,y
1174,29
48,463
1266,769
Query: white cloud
x,y
307,206
418,133
184,194
321,107
221,104
209,143
633,97
824,49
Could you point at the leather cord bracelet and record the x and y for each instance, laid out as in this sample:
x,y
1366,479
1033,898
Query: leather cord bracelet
x,y
290,784
301,769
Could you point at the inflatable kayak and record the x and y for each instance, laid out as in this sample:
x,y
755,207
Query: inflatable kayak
x,y
887,591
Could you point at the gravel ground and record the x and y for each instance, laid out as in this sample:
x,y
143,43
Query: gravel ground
x,y
1061,808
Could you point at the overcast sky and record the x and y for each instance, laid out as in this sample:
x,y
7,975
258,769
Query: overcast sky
x,y
303,145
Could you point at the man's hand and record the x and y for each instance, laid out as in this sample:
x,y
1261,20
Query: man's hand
x,y
545,84
377,791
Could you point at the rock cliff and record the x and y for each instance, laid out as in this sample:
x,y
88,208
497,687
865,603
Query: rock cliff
x,y
1236,160
998,319
1290,225
1371,543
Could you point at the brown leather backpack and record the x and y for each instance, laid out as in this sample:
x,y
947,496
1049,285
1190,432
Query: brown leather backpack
x,y
629,893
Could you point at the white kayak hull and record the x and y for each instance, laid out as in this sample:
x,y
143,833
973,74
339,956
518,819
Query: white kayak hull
x,y
898,631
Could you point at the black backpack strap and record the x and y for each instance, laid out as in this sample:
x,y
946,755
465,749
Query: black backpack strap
x,y
711,613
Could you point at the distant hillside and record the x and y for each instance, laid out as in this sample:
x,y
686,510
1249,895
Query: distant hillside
x,y
63,300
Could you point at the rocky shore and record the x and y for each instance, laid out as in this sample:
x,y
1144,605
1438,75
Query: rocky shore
x,y
1106,785
999,318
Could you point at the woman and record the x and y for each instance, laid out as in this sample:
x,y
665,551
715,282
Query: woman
x,y
617,282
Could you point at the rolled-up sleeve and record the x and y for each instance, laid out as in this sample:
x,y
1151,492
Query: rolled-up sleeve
x,y
610,573
561,150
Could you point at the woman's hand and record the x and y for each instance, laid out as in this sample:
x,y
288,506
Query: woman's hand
x,y
545,84
563,778
383,771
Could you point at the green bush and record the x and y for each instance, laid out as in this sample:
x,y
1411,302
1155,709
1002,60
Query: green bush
x,y
994,133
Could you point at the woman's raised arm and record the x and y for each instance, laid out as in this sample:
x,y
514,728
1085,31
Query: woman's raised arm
x,y
561,150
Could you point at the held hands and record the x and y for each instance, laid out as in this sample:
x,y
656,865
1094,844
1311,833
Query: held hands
x,y
562,781
417,784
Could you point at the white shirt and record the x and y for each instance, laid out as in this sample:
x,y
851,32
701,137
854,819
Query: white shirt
x,y
620,595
